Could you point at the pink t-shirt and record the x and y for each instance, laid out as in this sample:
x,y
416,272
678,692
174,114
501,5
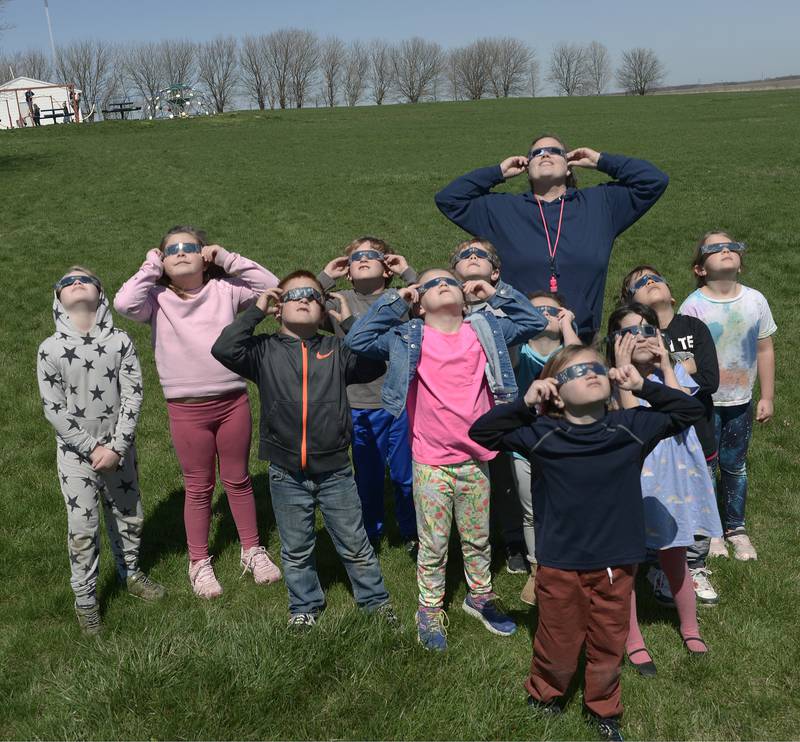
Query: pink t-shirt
x,y
447,395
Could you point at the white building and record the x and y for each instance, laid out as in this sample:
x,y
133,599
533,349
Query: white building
x,y
49,96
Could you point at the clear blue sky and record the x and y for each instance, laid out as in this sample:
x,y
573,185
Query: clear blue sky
x,y
698,40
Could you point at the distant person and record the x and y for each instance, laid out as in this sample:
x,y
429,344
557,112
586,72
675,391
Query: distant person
x,y
29,101
65,110
555,237
76,105
37,115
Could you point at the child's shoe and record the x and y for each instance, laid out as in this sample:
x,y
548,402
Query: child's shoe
x,y
516,563
256,560
607,727
387,613
89,619
484,609
743,549
302,622
661,590
528,594
432,628
703,589
141,586
552,709
204,581
718,548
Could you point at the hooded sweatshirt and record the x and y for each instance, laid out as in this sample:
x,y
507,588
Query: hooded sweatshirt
x,y
183,330
90,383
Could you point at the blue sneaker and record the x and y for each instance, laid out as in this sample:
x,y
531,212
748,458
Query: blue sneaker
x,y
432,628
484,609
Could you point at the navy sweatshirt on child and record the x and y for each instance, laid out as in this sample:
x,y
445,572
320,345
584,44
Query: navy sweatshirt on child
x,y
587,496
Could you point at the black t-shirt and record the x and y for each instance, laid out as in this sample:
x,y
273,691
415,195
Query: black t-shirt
x,y
689,337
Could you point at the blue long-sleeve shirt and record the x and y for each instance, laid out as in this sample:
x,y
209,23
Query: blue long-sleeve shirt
x,y
593,217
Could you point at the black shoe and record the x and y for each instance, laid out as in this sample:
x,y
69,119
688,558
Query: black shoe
x,y
645,669
516,563
546,709
608,727
411,545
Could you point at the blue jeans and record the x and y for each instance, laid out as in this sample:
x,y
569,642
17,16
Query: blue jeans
x,y
294,499
734,427
380,439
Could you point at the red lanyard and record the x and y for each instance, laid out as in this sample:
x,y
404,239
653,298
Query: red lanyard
x,y
552,248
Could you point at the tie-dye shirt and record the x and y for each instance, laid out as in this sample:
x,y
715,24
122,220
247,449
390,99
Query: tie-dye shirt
x,y
736,325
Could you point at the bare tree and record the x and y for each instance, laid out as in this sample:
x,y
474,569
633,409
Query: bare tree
x,y
218,69
119,85
381,70
417,64
331,62
33,63
278,50
178,61
303,65
88,65
640,71
598,68
143,65
255,73
567,68
472,69
450,68
533,76
355,72
510,66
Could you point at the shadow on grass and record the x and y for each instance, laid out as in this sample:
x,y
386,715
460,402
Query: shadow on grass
x,y
24,163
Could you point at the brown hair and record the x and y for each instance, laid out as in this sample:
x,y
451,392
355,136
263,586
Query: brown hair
x,y
699,259
572,180
624,294
557,298
648,314
484,243
211,271
376,244
300,273
558,362
428,270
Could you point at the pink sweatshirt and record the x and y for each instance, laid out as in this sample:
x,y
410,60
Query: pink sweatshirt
x,y
185,329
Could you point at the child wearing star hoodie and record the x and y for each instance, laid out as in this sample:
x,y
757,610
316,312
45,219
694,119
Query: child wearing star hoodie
x,y
91,389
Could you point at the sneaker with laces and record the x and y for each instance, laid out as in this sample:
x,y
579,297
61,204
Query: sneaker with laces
x,y
516,563
703,589
387,613
301,622
718,548
484,608
432,628
204,581
411,545
743,549
141,586
89,619
551,708
608,728
528,594
661,590
256,560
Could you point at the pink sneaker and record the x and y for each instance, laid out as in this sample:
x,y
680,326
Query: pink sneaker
x,y
204,581
743,549
256,560
718,548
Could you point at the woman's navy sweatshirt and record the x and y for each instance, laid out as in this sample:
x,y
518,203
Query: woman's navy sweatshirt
x,y
587,496
593,217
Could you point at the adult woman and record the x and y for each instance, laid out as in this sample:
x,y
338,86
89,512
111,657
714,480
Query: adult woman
x,y
555,237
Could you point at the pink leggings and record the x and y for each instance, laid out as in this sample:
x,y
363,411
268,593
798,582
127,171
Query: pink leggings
x,y
202,433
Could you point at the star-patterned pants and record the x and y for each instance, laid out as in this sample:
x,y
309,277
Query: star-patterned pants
x,y
84,491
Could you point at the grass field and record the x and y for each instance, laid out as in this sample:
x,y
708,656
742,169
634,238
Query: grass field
x,y
289,189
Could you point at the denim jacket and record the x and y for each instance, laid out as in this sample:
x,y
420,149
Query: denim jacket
x,y
381,334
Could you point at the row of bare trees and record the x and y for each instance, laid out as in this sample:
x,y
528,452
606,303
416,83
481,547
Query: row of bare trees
x,y
294,68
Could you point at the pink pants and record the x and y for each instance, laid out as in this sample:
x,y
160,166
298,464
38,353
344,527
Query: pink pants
x,y
202,433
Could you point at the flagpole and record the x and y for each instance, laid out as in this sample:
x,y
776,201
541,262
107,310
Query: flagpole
x,y
50,29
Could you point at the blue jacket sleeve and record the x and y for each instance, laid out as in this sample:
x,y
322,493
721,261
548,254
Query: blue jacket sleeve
x,y
370,334
466,201
521,321
638,185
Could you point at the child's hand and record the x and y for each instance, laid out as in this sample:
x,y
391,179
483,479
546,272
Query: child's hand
x,y
690,366
338,267
268,301
660,350
623,348
543,389
156,255
104,459
626,377
764,410
565,319
409,294
209,253
343,312
480,289
397,264
583,157
511,167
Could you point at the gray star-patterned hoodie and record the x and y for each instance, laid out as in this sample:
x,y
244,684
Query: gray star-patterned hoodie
x,y
90,383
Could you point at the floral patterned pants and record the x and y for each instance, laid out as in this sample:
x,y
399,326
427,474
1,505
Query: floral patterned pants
x,y
440,493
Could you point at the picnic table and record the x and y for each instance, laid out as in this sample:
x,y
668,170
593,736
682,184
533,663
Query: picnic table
x,y
54,113
121,109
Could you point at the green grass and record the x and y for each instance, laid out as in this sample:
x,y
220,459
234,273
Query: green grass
x,y
289,189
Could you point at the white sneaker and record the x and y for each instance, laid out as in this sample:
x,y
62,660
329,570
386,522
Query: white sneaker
x,y
703,589
204,581
661,590
257,561
718,548
743,549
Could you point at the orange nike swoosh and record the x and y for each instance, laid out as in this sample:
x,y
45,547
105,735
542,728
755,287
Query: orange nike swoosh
x,y
327,355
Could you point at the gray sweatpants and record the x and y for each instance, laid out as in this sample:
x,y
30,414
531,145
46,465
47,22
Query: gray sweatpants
x,y
522,478
84,490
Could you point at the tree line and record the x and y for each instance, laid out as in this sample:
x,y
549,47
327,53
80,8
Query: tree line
x,y
294,67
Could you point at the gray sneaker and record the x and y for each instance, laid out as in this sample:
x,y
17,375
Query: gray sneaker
x,y
302,622
89,619
387,613
141,586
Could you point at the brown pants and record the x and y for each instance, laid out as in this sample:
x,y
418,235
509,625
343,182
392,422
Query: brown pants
x,y
577,607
